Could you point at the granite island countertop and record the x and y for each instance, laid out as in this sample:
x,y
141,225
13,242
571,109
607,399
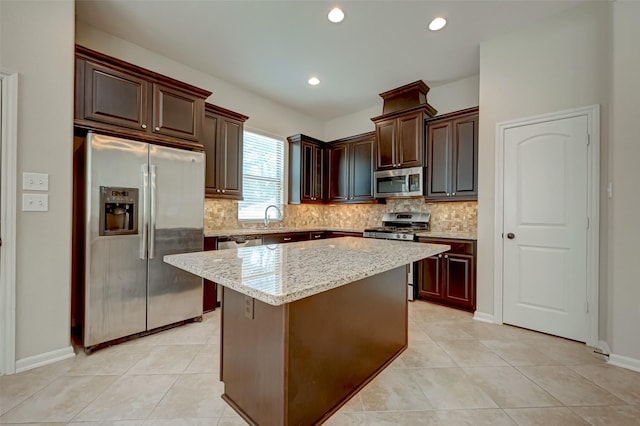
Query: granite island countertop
x,y
283,273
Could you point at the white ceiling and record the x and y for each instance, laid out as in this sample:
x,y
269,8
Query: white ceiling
x,y
271,48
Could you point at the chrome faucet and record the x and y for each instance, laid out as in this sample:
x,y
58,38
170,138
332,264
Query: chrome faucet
x,y
266,215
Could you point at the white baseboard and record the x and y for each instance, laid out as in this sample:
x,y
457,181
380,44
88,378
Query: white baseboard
x,y
602,346
481,316
44,359
624,362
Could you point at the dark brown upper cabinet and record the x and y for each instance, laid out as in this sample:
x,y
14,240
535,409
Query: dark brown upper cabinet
x,y
122,99
350,169
306,170
452,156
400,141
400,129
223,144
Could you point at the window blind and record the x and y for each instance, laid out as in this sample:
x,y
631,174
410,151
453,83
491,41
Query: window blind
x,y
262,176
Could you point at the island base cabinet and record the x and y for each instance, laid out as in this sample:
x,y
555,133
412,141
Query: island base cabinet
x,y
298,363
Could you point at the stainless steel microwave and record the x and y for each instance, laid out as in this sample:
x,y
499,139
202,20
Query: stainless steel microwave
x,y
398,182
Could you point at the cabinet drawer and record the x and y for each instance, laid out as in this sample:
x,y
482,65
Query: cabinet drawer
x,y
457,246
285,238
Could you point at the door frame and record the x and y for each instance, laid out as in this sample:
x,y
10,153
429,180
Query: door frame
x,y
8,208
593,211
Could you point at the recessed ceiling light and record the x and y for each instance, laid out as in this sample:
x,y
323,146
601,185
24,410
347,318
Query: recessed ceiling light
x,y
336,15
314,81
437,24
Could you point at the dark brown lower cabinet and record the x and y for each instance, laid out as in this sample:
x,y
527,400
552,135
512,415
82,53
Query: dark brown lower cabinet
x,y
210,288
337,234
449,278
288,237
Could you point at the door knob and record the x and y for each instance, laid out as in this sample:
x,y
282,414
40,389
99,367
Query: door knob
x,y
511,235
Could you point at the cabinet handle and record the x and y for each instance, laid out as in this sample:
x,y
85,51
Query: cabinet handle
x,y
144,126
286,239
453,193
439,256
223,190
446,256
448,195
157,129
217,190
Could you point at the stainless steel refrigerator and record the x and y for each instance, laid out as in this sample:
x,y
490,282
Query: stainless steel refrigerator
x,y
142,201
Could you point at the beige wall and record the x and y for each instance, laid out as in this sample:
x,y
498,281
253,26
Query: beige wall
x,y
624,233
37,43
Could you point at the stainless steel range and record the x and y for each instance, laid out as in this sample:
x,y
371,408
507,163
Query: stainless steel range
x,y
402,226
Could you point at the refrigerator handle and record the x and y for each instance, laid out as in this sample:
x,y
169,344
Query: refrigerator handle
x,y
144,171
152,221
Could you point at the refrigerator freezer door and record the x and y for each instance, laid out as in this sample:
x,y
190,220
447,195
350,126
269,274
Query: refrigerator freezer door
x,y
115,275
176,226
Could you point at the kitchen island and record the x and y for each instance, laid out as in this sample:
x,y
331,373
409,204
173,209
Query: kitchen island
x,y
306,325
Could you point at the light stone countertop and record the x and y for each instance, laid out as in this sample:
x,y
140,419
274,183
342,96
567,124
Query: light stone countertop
x,y
273,230
282,273
451,235
264,231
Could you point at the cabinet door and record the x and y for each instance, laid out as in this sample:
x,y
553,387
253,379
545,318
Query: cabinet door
x,y
438,159
430,278
361,170
459,279
209,137
312,163
229,157
210,289
176,113
385,144
307,171
465,157
339,173
115,97
409,140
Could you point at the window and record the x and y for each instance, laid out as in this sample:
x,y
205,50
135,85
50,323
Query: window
x,y
262,176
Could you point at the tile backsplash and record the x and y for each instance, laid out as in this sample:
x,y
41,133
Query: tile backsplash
x,y
461,216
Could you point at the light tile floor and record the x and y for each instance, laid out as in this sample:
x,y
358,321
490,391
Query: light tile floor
x,y
456,371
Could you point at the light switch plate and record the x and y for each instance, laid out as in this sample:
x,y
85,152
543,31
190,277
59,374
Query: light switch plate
x,y
35,202
35,181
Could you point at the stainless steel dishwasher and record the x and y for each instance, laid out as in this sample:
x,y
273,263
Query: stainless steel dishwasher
x,y
239,241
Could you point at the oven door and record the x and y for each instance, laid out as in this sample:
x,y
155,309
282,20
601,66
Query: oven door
x,y
398,183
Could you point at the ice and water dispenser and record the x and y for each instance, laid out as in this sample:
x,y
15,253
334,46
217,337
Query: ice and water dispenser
x,y
118,211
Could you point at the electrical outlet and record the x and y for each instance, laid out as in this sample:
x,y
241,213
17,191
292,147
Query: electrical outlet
x,y
35,202
35,181
248,307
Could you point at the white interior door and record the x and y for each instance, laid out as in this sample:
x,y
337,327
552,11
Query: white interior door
x,y
545,227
